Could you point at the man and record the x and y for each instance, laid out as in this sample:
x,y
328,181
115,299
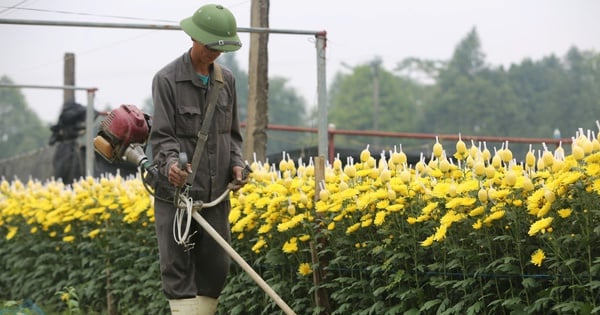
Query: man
x,y
193,276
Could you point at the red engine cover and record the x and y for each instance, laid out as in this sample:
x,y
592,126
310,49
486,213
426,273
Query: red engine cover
x,y
126,125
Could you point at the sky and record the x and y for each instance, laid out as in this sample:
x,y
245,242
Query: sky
x,y
120,62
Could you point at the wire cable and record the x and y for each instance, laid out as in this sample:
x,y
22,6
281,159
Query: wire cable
x,y
182,237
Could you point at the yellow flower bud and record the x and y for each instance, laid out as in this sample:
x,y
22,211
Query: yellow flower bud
x,y
530,159
479,167
482,195
365,154
324,194
437,149
510,178
527,184
405,176
461,147
578,152
548,158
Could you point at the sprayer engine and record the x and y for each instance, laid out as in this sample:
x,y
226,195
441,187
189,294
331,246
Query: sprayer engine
x,y
122,135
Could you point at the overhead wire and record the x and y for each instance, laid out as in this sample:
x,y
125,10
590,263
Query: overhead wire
x,y
16,7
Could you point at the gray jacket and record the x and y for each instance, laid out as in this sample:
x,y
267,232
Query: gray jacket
x,y
179,98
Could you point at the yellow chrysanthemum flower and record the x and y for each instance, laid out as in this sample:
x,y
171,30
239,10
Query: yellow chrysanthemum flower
x,y
293,222
428,241
353,228
596,186
304,269
395,207
496,215
331,226
540,226
291,246
429,207
440,233
451,217
380,218
593,169
366,222
477,211
260,244
265,228
457,202
93,233
544,210
535,201
12,231
564,213
538,257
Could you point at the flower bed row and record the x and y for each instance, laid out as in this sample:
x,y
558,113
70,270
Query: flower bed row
x,y
470,233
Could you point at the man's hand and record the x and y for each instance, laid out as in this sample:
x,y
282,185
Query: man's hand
x,y
177,176
239,178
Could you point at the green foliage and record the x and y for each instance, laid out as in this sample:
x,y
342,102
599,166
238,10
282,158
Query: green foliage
x,y
21,130
71,299
94,246
241,82
472,99
110,259
286,107
466,95
371,98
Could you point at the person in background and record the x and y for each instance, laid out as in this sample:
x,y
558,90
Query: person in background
x,y
193,276
69,157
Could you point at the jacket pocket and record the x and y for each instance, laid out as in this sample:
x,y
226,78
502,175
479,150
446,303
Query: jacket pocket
x,y
188,121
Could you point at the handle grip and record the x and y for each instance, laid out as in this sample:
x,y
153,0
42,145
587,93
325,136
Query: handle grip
x,y
183,160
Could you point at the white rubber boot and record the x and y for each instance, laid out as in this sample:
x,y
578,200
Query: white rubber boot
x,y
183,306
206,305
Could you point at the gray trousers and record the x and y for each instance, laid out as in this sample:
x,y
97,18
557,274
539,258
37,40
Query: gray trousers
x,y
201,271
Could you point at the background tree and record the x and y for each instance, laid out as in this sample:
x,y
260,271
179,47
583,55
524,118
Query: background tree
x,y
582,98
353,104
241,82
472,99
539,86
462,94
559,94
286,107
465,95
21,130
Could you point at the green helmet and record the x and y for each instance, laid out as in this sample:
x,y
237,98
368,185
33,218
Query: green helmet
x,y
214,26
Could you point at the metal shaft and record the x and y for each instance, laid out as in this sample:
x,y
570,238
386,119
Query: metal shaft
x,y
247,268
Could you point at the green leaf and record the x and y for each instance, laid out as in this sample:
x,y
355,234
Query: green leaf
x,y
429,304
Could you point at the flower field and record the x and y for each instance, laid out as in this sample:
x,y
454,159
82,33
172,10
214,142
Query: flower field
x,y
465,231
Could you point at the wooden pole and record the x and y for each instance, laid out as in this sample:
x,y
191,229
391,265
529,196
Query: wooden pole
x,y
321,297
69,77
255,140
